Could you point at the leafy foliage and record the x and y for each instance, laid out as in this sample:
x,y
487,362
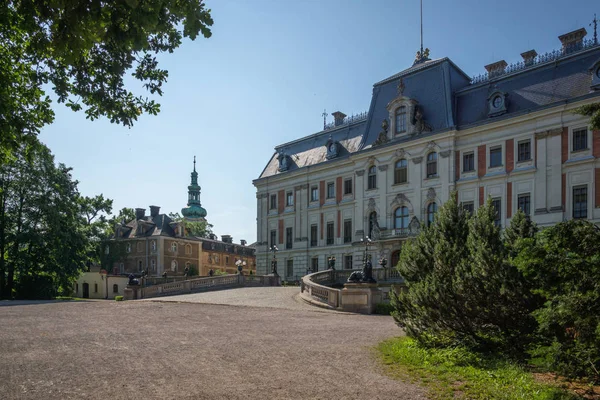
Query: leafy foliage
x,y
460,288
564,267
48,231
593,111
193,228
83,50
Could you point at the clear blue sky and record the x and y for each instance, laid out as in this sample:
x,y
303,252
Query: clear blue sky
x,y
264,78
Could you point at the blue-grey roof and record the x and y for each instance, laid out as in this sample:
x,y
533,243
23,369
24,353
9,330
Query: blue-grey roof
x,y
449,99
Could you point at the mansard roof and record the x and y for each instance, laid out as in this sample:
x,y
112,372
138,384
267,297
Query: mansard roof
x,y
450,100
154,226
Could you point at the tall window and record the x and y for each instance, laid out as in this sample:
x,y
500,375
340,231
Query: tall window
x,y
432,165
468,206
348,186
524,203
95,288
314,193
395,259
128,247
347,231
496,157
469,162
524,150
497,204
401,218
140,266
313,235
372,177
372,222
273,238
401,171
330,190
330,233
289,270
580,202
174,247
347,262
289,199
288,238
314,264
154,245
153,264
273,204
115,288
431,211
401,120
580,139
188,249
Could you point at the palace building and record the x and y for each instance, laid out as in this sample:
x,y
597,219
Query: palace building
x,y
157,244
510,134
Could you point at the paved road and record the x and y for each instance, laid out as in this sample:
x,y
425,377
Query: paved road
x,y
174,350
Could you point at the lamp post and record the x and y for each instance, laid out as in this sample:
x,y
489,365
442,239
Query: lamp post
x,y
274,250
240,266
368,242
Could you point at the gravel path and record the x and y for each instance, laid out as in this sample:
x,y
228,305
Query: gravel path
x,y
168,350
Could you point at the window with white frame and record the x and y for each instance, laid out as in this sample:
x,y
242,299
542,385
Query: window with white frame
x,y
496,156
289,199
401,218
153,245
289,271
580,139
432,165
330,190
314,193
524,203
273,202
524,150
348,186
400,171
580,202
497,204
173,247
372,177
188,249
469,162
401,119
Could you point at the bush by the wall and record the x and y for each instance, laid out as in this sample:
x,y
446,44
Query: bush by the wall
x,y
119,298
384,309
35,287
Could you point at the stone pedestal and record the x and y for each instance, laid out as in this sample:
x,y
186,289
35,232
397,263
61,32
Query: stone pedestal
x,y
360,297
132,292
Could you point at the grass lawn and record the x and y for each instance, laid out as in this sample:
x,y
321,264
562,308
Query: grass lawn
x,y
460,374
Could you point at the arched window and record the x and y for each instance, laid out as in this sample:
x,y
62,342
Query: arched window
x,y
401,171
154,245
372,223
432,165
173,266
431,211
401,218
188,249
401,120
174,247
372,178
395,259
115,288
128,247
140,266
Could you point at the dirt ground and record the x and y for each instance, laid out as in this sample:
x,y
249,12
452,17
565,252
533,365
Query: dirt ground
x,y
157,350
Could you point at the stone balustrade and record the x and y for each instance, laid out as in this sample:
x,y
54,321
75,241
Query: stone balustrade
x,y
198,285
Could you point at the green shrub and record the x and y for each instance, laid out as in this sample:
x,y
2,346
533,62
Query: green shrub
x,y
384,308
118,298
563,264
460,288
35,287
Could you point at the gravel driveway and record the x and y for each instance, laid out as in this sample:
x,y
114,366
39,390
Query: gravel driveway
x,y
166,350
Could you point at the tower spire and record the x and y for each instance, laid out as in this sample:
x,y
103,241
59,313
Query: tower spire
x,y
194,163
421,26
324,118
422,54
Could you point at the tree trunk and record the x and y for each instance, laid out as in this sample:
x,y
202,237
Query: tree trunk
x,y
15,258
3,195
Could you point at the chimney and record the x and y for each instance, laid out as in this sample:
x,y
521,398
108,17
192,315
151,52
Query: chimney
x,y
226,239
338,118
572,40
140,213
154,211
243,242
529,57
495,69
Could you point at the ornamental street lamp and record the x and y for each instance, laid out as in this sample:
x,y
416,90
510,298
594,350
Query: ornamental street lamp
x,y
368,242
274,250
240,266
331,262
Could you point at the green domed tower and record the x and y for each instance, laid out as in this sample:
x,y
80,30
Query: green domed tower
x,y
194,210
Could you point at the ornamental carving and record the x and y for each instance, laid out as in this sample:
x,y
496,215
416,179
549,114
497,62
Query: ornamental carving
x,y
417,160
360,172
400,200
401,153
419,122
431,194
414,227
284,162
371,206
383,167
383,135
444,153
431,145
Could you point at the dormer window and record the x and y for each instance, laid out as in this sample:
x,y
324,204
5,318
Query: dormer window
x,y
400,120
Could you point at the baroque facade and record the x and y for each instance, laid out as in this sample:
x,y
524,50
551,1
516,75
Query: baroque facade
x,y
510,134
156,244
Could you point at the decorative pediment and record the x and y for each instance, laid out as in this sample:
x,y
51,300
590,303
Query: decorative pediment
x,y
431,194
408,115
400,200
401,153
